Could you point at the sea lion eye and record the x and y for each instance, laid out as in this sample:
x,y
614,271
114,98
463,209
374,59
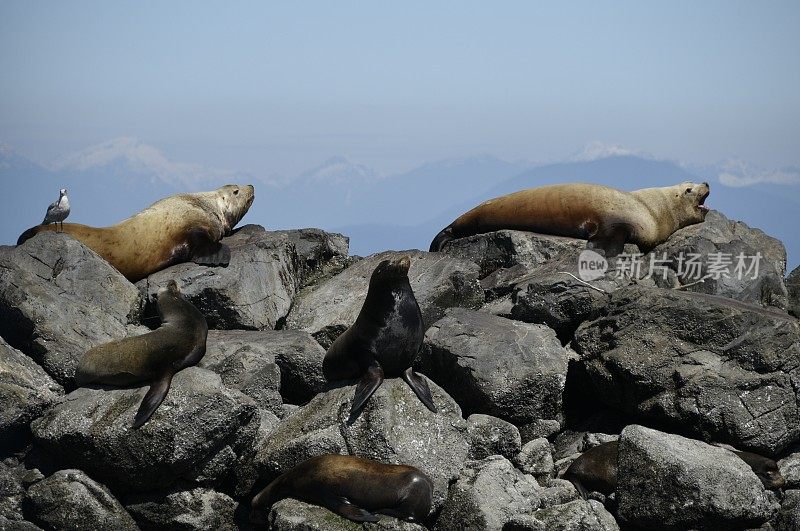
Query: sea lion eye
x,y
688,191
236,192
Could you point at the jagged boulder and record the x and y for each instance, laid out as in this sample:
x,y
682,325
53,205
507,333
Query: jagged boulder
x,y
322,254
789,467
536,458
197,434
712,366
487,495
793,289
267,365
716,245
254,292
58,298
25,392
71,500
505,249
788,518
492,436
394,427
196,509
667,481
439,282
15,478
582,515
294,515
488,364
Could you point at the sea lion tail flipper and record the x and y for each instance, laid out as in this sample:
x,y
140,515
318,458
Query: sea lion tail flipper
x,y
420,386
444,236
343,507
155,395
372,379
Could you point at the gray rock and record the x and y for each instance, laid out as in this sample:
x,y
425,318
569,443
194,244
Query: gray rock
x,y
15,478
492,436
487,495
789,467
58,298
721,369
793,289
394,427
508,248
439,282
539,428
718,234
294,515
536,458
488,364
788,518
570,442
7,524
558,492
254,292
197,509
268,366
199,423
577,515
71,500
25,392
322,254
671,482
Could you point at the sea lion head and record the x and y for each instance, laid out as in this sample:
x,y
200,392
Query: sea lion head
x,y
392,269
765,468
234,201
691,198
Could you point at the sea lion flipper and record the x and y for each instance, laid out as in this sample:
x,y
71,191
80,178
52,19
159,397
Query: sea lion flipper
x,y
611,240
212,254
420,386
372,379
155,395
343,507
192,359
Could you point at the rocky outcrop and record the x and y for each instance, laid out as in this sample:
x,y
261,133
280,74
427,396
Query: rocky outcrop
x,y
25,392
294,515
711,366
197,434
197,509
254,292
511,370
793,289
671,482
267,365
322,254
58,298
717,245
536,458
71,500
488,495
394,427
492,436
439,282
15,478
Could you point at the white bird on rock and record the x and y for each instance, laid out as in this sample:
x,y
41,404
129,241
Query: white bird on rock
x,y
58,211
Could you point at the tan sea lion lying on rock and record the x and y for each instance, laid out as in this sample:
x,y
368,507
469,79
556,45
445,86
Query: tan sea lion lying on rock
x,y
607,217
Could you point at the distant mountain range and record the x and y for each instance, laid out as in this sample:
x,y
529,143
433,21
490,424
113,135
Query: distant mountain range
x,y
113,180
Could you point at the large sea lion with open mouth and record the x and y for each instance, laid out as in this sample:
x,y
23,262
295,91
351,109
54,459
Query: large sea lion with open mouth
x,y
153,357
352,487
180,228
384,340
607,217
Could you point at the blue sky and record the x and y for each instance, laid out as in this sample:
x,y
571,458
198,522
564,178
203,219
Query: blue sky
x,y
274,88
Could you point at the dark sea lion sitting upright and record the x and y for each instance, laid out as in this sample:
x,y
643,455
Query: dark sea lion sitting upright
x,y
154,357
384,340
352,487
607,217
596,469
180,228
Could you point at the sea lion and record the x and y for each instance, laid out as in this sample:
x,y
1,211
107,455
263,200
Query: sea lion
x,y
384,340
180,228
154,357
607,217
352,487
596,469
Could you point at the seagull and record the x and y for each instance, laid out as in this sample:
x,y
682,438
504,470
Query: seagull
x,y
58,211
